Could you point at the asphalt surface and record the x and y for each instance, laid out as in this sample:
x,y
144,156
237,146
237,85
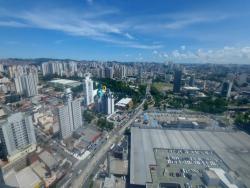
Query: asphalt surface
x,y
87,166
81,171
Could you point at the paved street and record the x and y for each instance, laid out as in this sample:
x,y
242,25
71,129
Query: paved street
x,y
92,162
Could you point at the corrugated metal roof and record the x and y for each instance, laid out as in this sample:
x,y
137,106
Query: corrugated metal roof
x,y
226,144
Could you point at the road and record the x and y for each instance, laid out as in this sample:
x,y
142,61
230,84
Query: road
x,y
92,162
74,172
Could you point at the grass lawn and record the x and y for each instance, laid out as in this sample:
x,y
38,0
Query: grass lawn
x,y
162,86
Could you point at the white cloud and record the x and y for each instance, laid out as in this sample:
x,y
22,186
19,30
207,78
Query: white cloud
x,y
155,52
166,55
183,47
129,36
86,25
90,1
235,55
59,41
12,42
183,23
169,22
12,24
129,43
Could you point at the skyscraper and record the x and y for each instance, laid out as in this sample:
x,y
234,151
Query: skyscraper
x,y
70,115
123,71
49,68
109,103
109,72
72,68
88,90
16,133
64,121
105,102
226,89
46,68
177,81
27,84
191,80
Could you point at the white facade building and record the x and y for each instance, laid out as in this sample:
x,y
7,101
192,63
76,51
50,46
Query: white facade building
x,y
109,103
88,90
17,133
27,84
70,115
105,103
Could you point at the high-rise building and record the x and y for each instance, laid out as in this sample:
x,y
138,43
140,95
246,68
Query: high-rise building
x,y
191,80
70,115
16,133
100,72
108,103
109,72
64,121
177,81
27,84
1,68
72,68
123,71
88,90
105,103
226,89
49,68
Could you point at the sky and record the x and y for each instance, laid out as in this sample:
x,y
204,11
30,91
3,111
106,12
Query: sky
x,y
183,31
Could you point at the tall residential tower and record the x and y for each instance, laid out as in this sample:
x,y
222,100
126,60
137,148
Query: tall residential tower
x,y
177,81
88,90
16,133
26,84
70,115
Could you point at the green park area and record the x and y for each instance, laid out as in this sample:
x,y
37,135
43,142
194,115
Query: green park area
x,y
162,86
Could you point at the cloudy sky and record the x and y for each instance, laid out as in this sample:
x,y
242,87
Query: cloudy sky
x,y
187,31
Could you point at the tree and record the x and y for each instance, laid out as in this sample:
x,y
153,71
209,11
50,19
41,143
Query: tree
x,y
242,120
127,131
88,116
164,106
210,105
122,89
145,106
157,96
104,124
77,89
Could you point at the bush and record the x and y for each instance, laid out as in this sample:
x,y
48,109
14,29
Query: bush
x,y
242,120
103,124
214,106
88,116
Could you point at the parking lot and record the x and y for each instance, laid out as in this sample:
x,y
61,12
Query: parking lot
x,y
184,166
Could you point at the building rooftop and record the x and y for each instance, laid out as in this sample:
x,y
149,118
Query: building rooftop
x,y
222,175
191,88
25,178
232,147
48,159
124,101
118,167
65,82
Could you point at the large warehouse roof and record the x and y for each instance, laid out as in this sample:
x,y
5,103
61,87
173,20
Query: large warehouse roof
x,y
232,147
65,83
124,102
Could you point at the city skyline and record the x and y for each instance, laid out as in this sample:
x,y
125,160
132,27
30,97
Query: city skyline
x,y
179,31
135,93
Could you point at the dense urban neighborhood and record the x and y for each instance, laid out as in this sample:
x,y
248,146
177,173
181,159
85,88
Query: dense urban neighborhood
x,y
68,123
124,94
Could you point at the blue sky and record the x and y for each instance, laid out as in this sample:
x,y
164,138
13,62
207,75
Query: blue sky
x,y
191,31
